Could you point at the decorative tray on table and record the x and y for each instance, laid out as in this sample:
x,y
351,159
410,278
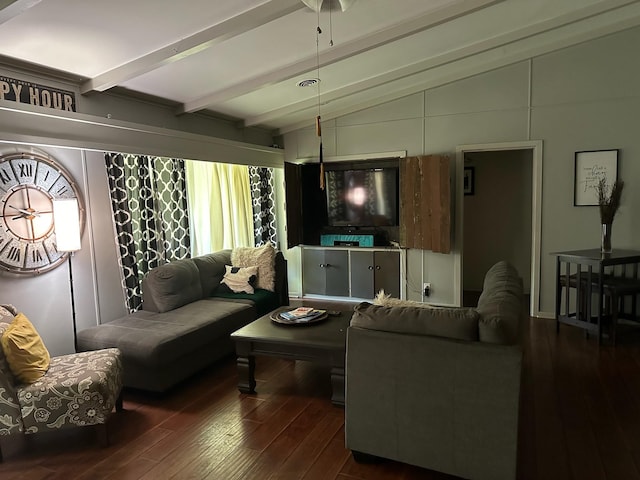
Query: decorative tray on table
x,y
299,316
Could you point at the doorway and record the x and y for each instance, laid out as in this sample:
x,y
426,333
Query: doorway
x,y
498,214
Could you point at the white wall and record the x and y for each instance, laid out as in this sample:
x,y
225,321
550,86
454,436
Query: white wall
x,y
580,98
585,97
46,298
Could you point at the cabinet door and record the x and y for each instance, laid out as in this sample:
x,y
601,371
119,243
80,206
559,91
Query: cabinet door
x,y
293,192
337,272
362,268
425,203
313,271
387,273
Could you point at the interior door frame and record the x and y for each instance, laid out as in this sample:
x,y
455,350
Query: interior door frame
x,y
536,214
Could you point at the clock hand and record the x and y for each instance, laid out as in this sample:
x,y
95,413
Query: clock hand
x,y
30,211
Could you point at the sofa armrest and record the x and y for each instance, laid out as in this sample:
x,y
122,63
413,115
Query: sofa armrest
x,y
282,282
9,406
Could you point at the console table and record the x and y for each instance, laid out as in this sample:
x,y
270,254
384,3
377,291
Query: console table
x,y
607,275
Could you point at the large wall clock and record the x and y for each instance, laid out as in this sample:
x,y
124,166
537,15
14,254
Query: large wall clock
x,y
29,183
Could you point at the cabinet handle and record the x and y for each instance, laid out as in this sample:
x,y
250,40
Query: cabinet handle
x,y
377,267
370,267
324,265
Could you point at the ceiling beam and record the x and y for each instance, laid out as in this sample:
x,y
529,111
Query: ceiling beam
x,y
12,8
337,53
193,44
32,125
497,41
501,56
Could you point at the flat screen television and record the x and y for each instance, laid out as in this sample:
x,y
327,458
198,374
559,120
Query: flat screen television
x,y
366,197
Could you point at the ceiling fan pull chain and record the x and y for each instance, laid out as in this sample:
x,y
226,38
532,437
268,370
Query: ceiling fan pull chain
x,y
330,28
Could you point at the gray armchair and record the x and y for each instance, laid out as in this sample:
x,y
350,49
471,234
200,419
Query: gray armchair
x,y
439,387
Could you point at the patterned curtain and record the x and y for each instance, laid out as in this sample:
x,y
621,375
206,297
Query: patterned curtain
x,y
149,201
264,213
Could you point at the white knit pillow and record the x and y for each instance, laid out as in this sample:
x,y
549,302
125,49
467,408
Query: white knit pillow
x,y
263,257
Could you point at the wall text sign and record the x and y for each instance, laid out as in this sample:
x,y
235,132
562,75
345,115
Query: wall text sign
x,y
34,94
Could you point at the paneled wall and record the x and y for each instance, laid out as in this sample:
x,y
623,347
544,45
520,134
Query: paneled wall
x,y
579,98
46,298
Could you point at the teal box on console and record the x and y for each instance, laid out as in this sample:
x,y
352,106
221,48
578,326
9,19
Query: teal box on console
x,y
346,240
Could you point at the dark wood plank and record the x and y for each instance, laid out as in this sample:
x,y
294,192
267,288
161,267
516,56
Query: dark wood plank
x,y
580,418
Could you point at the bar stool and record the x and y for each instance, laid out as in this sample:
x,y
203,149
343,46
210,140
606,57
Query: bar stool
x,y
615,290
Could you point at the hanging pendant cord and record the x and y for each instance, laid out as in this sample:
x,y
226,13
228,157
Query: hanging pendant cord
x,y
318,125
318,32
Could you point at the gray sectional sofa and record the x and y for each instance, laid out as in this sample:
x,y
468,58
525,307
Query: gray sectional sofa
x,y
439,387
185,321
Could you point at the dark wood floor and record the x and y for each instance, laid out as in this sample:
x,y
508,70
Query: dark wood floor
x,y
580,419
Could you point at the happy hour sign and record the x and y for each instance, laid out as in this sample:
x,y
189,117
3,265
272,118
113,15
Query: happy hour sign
x,y
590,168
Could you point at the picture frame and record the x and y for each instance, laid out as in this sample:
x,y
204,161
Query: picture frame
x,y
468,180
590,167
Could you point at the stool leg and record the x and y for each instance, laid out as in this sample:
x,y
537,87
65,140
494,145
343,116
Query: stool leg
x,y
615,309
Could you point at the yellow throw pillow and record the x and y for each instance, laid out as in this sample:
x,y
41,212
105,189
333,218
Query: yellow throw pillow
x,y
26,354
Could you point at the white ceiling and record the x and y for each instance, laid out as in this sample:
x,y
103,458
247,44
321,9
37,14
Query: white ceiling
x,y
244,58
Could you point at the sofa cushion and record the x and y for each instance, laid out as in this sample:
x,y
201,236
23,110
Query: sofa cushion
x,y
171,285
500,305
262,257
24,350
156,339
79,389
456,323
212,269
239,279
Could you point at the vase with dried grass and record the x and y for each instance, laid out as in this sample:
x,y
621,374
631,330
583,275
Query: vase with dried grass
x,y
609,202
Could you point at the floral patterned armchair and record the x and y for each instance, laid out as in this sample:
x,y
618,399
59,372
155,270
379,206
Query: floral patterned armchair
x,y
79,389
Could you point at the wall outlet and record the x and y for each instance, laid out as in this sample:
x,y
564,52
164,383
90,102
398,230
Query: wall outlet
x,y
426,289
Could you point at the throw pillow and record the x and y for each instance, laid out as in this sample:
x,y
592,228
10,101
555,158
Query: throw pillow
x,y
456,323
264,258
240,279
26,354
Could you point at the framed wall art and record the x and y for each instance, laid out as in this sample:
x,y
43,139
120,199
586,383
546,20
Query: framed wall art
x,y
468,181
590,167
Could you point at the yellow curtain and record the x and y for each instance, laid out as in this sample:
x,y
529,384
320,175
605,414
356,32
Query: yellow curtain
x,y
220,207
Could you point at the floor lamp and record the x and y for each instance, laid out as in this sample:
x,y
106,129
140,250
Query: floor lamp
x,y
66,221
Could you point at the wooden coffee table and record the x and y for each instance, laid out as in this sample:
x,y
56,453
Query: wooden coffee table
x,y
323,343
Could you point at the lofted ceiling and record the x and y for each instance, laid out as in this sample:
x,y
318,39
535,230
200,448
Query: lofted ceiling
x,y
244,58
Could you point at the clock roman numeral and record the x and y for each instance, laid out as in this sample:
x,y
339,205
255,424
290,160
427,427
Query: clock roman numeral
x,y
26,169
14,254
4,176
37,256
62,190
